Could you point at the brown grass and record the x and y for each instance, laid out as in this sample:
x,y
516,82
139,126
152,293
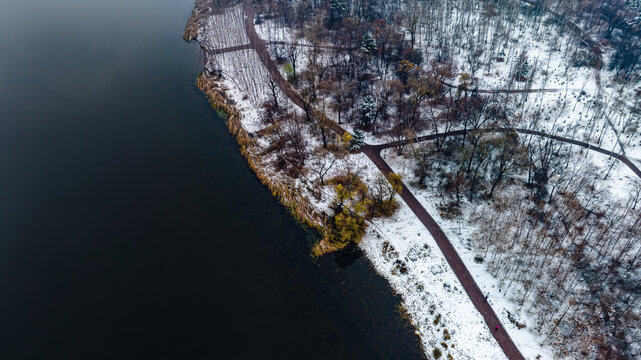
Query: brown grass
x,y
325,246
287,193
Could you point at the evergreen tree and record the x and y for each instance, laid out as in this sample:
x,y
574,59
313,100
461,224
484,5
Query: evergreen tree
x,y
368,45
357,140
337,9
522,68
368,111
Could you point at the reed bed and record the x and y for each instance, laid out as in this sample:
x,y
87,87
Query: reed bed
x,y
289,194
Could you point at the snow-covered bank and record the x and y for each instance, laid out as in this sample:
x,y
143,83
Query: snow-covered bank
x,y
405,253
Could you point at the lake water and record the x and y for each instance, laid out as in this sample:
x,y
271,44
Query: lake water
x,y
131,227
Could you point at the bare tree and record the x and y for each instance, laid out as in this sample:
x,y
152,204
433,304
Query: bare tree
x,y
322,163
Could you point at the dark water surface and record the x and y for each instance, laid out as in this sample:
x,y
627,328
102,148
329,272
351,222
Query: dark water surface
x,y
130,226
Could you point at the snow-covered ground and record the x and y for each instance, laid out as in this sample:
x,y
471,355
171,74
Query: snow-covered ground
x,y
224,30
400,247
429,287
404,252
579,108
246,78
462,231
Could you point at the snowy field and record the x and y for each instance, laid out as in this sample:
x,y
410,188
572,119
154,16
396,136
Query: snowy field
x,y
246,78
585,103
224,30
579,102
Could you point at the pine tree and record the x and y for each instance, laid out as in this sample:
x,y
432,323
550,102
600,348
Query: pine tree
x,y
522,68
368,111
368,45
357,140
338,9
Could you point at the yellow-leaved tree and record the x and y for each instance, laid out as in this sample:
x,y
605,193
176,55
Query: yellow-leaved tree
x,y
353,204
348,223
383,192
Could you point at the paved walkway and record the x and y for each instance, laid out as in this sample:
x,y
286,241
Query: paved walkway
x,y
511,91
582,144
260,46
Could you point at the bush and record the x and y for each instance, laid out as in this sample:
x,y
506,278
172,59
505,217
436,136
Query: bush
x,y
449,211
353,204
350,205
437,353
383,192
289,69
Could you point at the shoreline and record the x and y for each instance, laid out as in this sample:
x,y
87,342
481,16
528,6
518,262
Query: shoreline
x,y
236,95
288,195
303,212
221,99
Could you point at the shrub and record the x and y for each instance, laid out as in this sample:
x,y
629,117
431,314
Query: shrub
x,y
383,192
289,69
449,211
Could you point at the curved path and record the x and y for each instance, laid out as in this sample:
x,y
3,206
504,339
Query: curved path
x,y
452,257
260,46
454,260
326,47
511,91
585,145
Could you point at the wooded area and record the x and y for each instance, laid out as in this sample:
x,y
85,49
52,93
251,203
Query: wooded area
x,y
399,69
